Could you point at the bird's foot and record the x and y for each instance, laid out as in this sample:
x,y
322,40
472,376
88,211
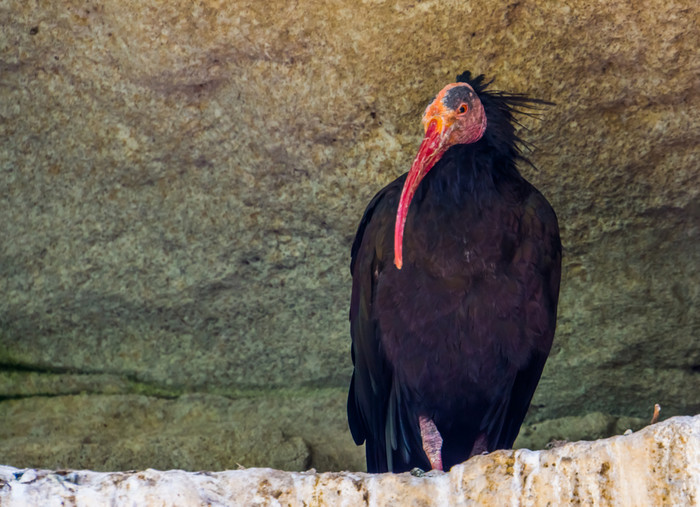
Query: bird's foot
x,y
417,472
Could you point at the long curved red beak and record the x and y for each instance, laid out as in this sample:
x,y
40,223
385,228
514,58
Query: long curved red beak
x,y
430,151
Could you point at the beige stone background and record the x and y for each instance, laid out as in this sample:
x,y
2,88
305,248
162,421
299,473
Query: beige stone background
x,y
181,181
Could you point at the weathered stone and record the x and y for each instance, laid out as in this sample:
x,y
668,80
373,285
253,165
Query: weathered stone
x,y
591,426
657,466
289,430
180,183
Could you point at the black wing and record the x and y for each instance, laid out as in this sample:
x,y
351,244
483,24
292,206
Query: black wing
x,y
539,223
376,413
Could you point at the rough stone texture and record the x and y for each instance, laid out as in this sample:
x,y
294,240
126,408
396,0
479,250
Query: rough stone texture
x,y
289,430
180,183
657,466
591,426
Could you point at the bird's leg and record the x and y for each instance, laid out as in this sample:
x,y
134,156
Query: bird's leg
x,y
480,445
432,442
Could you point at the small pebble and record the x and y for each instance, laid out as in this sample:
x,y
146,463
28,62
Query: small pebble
x,y
28,476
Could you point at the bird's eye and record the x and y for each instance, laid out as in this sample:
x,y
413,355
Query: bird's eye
x,y
462,109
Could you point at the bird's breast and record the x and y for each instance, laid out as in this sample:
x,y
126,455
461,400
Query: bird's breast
x,y
450,317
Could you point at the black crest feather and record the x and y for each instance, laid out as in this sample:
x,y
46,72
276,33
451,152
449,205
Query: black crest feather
x,y
501,110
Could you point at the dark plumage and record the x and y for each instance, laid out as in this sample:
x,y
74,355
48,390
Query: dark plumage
x,y
450,337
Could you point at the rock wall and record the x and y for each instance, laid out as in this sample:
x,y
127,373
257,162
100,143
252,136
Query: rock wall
x,y
657,466
180,184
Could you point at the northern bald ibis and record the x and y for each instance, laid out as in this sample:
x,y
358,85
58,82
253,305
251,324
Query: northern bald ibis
x,y
455,281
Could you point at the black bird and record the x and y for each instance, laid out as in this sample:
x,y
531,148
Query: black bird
x,y
452,318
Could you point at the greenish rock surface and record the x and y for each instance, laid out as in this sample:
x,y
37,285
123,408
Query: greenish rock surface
x,y
180,184
284,430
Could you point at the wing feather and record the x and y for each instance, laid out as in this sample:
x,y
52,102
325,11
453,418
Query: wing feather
x,y
371,402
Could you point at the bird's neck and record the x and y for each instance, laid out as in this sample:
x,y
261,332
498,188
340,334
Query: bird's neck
x,y
466,172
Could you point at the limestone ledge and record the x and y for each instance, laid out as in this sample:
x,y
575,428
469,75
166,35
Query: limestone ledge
x,y
659,465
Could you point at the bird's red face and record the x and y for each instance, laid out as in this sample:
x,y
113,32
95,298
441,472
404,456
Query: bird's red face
x,y
456,116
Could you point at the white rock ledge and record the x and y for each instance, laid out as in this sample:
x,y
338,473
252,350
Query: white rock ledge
x,y
659,465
